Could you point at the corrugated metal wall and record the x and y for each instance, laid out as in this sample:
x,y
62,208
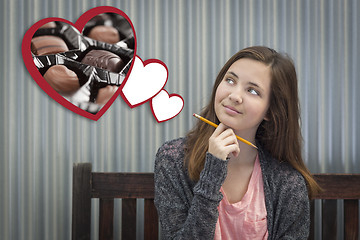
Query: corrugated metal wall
x,y
40,140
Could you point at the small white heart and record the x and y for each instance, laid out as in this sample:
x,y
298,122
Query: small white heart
x,y
165,106
145,81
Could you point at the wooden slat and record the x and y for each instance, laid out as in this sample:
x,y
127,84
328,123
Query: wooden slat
x,y
81,205
123,185
338,186
329,219
128,219
106,223
312,220
151,226
351,219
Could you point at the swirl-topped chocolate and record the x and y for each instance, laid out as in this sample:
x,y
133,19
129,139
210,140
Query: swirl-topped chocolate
x,y
104,59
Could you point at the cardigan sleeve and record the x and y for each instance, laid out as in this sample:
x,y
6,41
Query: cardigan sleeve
x,y
186,212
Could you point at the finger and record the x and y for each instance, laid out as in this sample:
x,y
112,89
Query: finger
x,y
232,149
221,128
236,152
228,140
227,133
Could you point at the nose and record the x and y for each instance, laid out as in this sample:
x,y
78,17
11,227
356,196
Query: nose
x,y
236,97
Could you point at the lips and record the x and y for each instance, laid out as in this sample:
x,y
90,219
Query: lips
x,y
231,109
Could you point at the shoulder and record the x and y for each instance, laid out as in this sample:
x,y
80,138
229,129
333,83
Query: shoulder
x,y
169,170
174,149
281,176
171,153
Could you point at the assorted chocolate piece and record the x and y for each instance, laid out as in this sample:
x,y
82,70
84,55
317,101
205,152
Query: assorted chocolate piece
x,y
49,25
110,28
57,37
106,34
104,94
62,79
88,68
104,59
44,45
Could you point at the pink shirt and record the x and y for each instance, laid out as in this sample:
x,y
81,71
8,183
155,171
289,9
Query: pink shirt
x,y
245,219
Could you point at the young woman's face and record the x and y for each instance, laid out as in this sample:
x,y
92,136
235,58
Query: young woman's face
x,y
242,98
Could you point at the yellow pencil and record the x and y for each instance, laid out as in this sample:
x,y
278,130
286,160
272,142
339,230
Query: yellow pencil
x,y
215,126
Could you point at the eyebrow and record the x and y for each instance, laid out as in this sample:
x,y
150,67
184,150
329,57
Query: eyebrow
x,y
254,84
232,73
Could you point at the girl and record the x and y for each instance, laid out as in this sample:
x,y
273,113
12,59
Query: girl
x,y
209,185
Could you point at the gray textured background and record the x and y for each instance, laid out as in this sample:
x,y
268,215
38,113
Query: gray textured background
x,y
40,139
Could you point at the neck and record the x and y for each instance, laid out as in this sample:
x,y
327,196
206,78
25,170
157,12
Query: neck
x,y
248,134
246,156
247,153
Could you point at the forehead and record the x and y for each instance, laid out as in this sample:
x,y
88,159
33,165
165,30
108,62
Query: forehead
x,y
251,70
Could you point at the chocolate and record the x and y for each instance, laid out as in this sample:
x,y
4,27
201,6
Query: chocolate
x,y
62,79
106,34
47,44
49,25
100,18
104,59
105,93
85,68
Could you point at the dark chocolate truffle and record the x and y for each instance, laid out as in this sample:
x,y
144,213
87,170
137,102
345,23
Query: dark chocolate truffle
x,y
47,44
106,34
104,59
105,94
62,79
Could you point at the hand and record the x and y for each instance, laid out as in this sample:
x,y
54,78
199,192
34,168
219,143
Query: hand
x,y
223,142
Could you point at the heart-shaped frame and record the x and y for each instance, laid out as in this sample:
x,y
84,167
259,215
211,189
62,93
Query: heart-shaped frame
x,y
79,25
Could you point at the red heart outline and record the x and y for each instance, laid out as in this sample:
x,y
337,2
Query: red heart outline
x,y
146,62
170,95
79,25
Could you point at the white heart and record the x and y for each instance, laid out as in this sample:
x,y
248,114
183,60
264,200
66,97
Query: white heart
x,y
145,81
165,106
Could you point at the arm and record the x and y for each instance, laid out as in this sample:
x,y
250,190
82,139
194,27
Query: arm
x,y
187,213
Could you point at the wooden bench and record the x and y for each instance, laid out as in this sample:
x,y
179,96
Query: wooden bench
x,y
132,186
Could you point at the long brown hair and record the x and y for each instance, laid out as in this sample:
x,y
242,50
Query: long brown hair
x,y
280,135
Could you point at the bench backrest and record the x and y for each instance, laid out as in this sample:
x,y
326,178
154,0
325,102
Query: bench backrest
x,y
132,186
336,187
108,186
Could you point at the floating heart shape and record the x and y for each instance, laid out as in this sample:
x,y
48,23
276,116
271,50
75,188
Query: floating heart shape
x,y
165,106
34,63
145,81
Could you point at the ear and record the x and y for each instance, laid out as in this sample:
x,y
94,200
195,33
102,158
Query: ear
x,y
267,116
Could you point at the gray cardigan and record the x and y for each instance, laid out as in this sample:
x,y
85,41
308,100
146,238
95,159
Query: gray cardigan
x,y
188,209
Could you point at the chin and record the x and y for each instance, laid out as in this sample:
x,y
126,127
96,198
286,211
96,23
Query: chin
x,y
231,123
